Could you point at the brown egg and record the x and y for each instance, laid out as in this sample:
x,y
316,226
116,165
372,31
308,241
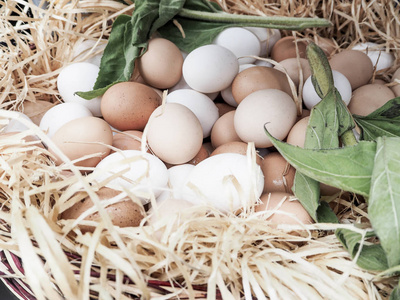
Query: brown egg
x,y
81,137
278,173
223,108
128,140
297,135
396,81
288,209
304,113
327,190
200,156
223,130
355,65
368,98
327,45
128,105
235,147
258,78
378,81
286,48
292,68
161,65
36,110
125,213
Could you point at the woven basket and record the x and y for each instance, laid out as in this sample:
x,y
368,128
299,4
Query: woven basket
x,y
198,256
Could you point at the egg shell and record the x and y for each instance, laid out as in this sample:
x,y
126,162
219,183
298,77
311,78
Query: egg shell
x,y
327,45
182,84
234,147
85,50
174,133
15,125
226,181
241,42
161,65
36,110
396,80
81,137
291,66
61,114
381,59
200,156
124,213
286,48
128,105
210,68
297,134
79,77
342,84
286,209
368,98
143,173
201,105
267,37
223,108
128,140
224,130
355,65
278,174
258,78
269,109
177,177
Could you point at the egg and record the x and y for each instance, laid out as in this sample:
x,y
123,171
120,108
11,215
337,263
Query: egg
x,y
234,147
124,213
79,77
174,133
82,137
241,42
327,45
84,50
396,80
128,140
227,182
286,48
284,208
342,84
182,84
258,78
269,109
60,114
380,58
223,108
177,177
161,65
297,134
267,37
35,110
355,65
278,174
142,173
210,68
128,105
15,125
224,130
201,105
291,66
368,98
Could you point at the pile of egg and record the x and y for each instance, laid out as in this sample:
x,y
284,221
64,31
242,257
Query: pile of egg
x,y
219,97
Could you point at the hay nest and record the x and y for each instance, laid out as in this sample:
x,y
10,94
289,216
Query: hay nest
x,y
198,254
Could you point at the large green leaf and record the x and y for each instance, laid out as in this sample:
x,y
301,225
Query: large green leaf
x,y
384,197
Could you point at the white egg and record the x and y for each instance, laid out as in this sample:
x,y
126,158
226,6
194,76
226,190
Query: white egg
x,y
225,181
267,37
201,105
177,178
241,42
311,98
86,48
380,58
263,63
145,173
210,68
61,114
14,125
79,77
182,84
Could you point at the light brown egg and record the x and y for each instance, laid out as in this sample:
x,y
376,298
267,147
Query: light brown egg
x,y
327,45
378,81
304,113
286,48
161,65
128,140
36,110
292,67
278,173
355,65
368,98
258,78
288,209
297,135
128,105
396,79
223,108
223,130
81,137
235,147
200,156
125,213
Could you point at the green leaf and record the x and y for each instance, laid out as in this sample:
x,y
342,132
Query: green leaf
x,y
372,257
348,168
384,198
385,121
395,295
307,192
325,214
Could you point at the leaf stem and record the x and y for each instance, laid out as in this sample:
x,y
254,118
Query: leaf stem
x,y
284,23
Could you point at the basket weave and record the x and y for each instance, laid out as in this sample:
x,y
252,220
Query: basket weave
x,y
197,257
